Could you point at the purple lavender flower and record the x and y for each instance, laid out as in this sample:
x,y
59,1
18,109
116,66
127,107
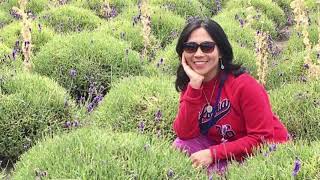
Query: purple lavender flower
x,y
158,116
303,79
272,147
75,123
241,22
297,167
170,173
73,73
141,126
67,124
306,66
90,107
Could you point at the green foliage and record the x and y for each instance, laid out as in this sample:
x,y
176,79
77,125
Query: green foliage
x,y
279,163
92,153
30,105
4,50
125,30
98,5
70,19
258,21
166,61
165,25
286,70
96,58
183,8
35,6
284,4
269,8
4,18
137,100
242,35
12,33
298,106
294,43
246,57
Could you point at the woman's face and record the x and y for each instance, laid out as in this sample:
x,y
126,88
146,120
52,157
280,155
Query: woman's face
x,y
205,60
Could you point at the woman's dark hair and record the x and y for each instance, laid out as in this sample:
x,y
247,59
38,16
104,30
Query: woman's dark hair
x,y
221,40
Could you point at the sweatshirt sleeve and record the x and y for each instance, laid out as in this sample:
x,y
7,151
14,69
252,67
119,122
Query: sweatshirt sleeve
x,y
186,122
253,102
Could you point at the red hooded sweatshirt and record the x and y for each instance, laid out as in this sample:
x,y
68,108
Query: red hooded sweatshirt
x,y
245,118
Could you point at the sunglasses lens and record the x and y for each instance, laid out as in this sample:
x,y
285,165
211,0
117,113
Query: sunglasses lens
x,y
190,47
207,47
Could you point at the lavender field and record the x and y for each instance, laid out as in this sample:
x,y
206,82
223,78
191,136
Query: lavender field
x,y
87,86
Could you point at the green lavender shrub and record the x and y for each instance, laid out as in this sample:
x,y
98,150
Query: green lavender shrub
x,y
165,25
65,19
284,4
93,153
10,33
242,35
293,160
5,18
4,50
98,6
166,61
30,106
144,104
244,56
35,6
259,21
268,7
40,35
96,57
286,70
298,106
183,8
125,30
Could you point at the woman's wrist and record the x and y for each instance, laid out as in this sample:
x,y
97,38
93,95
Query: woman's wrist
x,y
196,83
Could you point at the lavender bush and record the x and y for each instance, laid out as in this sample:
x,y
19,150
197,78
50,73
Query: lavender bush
x,y
294,160
268,7
125,30
33,6
183,8
5,18
165,25
68,18
92,153
140,104
298,106
100,60
12,38
30,107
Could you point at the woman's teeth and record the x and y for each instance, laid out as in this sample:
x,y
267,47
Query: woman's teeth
x,y
200,62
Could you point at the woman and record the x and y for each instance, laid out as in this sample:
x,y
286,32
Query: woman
x,y
224,113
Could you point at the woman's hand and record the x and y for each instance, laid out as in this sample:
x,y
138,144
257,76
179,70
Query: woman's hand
x,y
195,78
201,158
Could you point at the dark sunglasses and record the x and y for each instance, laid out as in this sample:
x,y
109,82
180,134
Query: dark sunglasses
x,y
192,47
